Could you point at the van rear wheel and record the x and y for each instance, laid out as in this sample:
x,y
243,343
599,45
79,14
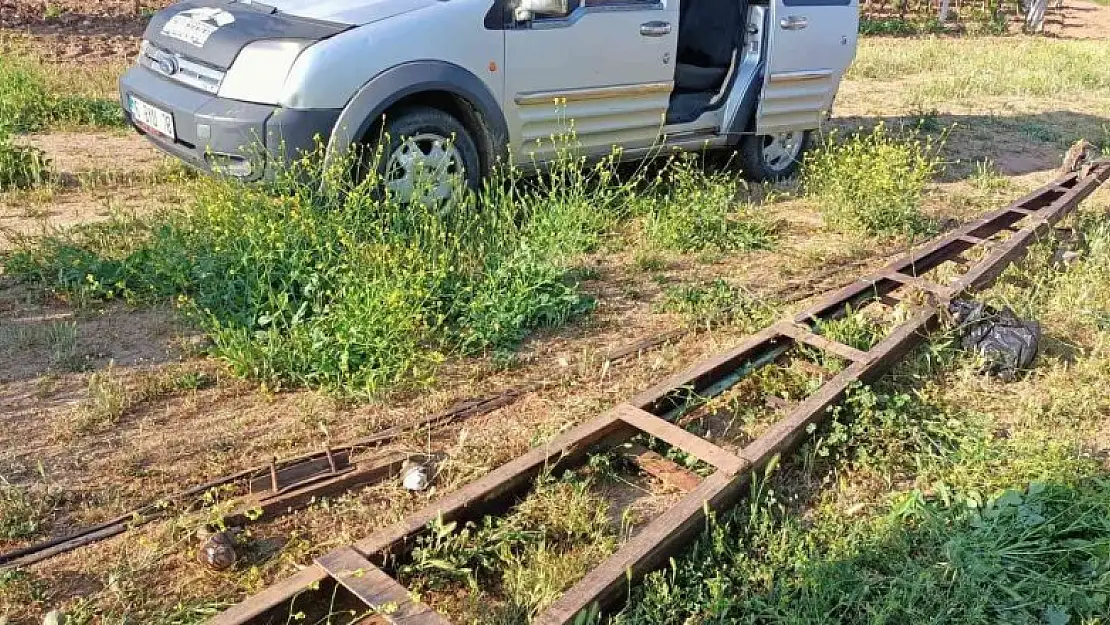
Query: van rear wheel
x,y
771,158
429,156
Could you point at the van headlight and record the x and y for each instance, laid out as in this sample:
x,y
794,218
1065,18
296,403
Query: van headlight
x,y
259,72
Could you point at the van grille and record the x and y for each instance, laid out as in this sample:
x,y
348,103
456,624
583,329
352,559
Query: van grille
x,y
177,67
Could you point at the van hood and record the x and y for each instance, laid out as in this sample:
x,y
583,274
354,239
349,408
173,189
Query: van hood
x,y
214,31
353,12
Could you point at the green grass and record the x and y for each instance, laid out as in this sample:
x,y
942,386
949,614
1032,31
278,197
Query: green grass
x,y
1034,555
21,166
942,68
515,566
24,514
696,211
871,183
915,17
35,97
346,291
896,26
355,293
59,339
717,303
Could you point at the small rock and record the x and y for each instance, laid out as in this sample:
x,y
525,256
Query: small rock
x,y
217,552
414,477
197,343
53,617
1063,258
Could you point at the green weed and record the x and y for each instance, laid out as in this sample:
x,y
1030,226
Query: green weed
x,y
699,211
645,260
525,559
898,26
987,179
872,183
1033,555
105,403
24,513
1040,132
717,303
915,17
29,102
59,338
349,290
21,166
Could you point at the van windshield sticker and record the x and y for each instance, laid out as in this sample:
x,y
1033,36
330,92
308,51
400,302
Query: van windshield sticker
x,y
195,26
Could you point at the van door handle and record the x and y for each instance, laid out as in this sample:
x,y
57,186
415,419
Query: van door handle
x,y
655,29
794,22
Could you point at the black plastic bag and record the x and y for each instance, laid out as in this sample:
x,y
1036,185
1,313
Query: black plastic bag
x,y
1006,343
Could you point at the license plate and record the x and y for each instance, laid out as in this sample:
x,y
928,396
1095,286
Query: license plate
x,y
152,118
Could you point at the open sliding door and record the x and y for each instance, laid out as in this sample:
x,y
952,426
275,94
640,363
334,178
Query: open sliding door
x,y
810,43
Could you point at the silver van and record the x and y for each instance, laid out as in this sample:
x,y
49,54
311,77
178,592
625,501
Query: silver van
x,y
455,85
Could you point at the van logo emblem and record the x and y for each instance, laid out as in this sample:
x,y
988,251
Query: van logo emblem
x,y
168,65
195,26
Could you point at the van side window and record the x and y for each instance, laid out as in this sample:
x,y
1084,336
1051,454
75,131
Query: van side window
x,y
573,5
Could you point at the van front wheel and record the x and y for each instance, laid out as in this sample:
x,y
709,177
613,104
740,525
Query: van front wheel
x,y
771,158
428,156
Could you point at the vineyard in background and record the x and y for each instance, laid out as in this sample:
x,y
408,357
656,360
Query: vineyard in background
x,y
912,17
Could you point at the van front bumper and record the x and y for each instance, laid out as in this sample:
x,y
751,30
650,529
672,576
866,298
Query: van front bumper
x,y
225,136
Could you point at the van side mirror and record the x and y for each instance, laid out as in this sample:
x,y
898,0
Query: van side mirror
x,y
526,10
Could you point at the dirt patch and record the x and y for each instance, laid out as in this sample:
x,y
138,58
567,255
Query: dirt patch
x,y
39,332
78,16
97,174
45,211
103,152
76,30
1079,19
67,47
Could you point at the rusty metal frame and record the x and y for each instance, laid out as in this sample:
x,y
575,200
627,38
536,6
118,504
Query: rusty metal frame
x,y
360,568
287,485
276,488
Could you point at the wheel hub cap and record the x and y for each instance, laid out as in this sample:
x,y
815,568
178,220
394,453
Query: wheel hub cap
x,y
426,168
780,150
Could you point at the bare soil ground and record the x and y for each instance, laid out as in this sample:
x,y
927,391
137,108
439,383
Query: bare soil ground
x,y
73,30
97,174
1079,19
63,360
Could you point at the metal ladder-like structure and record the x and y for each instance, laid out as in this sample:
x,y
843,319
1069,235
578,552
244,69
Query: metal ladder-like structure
x,y
357,573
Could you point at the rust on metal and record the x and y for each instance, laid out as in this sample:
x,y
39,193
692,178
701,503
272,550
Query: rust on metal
x,y
292,476
296,472
651,414
270,505
666,471
380,592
